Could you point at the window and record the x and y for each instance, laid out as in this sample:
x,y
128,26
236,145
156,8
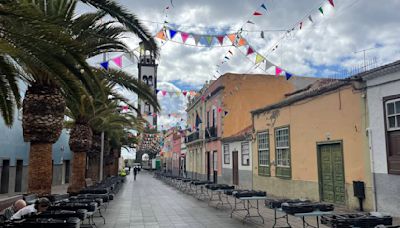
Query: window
x,y
147,108
393,115
282,150
263,153
208,119
145,79
150,81
227,155
245,154
213,117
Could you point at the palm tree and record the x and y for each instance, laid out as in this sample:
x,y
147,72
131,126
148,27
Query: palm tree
x,y
100,113
50,47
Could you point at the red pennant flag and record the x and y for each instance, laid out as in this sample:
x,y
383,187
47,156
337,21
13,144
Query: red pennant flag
x,y
220,39
331,2
219,109
203,98
250,51
257,13
164,92
184,93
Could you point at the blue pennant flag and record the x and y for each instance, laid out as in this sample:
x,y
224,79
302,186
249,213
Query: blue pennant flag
x,y
288,75
157,90
104,65
263,6
172,33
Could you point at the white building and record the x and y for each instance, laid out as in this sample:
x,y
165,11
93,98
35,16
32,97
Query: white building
x,y
383,97
237,160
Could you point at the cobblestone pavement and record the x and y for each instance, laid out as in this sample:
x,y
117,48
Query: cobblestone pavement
x,y
148,202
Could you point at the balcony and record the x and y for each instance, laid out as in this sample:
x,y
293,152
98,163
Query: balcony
x,y
192,137
211,132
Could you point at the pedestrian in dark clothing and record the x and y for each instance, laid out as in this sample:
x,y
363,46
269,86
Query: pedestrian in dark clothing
x,y
135,171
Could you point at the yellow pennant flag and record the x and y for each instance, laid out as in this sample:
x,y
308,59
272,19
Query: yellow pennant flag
x,y
161,35
259,58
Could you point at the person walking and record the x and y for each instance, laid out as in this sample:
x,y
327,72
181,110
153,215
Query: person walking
x,y
135,171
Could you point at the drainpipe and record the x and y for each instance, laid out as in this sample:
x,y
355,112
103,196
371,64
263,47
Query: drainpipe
x,y
371,154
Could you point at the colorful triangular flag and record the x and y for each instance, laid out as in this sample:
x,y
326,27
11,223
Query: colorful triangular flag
x,y
288,75
196,38
232,38
250,51
172,33
230,52
220,39
278,71
331,2
184,93
321,10
184,36
157,91
226,113
104,65
262,34
219,109
118,61
161,35
268,64
263,6
164,92
209,40
250,22
259,58
226,57
301,25
310,18
241,42
257,13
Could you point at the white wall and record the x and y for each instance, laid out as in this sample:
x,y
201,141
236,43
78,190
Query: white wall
x,y
375,93
236,146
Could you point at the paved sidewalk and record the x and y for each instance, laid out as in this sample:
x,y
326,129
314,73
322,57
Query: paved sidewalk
x,y
148,202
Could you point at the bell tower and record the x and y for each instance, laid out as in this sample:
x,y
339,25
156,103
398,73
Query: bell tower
x,y
147,74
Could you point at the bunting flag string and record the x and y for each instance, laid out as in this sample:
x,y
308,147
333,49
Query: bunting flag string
x,y
185,93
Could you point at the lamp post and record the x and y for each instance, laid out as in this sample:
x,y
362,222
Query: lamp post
x,y
101,156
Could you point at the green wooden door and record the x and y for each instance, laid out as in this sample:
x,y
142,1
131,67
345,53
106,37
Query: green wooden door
x,y
331,167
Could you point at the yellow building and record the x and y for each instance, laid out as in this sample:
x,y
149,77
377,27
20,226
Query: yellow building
x,y
224,106
313,144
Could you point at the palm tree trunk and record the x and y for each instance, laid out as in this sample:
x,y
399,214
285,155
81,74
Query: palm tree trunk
x,y
94,168
40,168
78,172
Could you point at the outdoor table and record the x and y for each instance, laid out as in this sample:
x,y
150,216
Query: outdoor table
x,y
316,214
219,198
247,207
200,194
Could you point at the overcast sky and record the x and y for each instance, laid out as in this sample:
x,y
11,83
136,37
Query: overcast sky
x,y
321,49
